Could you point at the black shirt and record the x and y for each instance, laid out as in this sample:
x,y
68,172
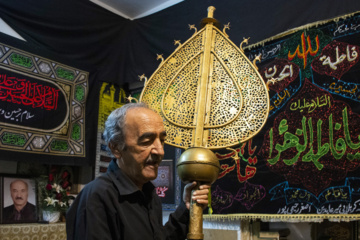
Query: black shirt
x,y
27,214
112,207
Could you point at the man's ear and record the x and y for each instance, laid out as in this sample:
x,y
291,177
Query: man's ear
x,y
114,151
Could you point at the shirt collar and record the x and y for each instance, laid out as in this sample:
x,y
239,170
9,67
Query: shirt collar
x,y
123,183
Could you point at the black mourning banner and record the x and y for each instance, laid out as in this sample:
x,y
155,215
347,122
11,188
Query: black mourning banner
x,y
26,101
42,107
305,163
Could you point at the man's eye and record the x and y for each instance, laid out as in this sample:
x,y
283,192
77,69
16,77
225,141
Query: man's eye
x,y
146,143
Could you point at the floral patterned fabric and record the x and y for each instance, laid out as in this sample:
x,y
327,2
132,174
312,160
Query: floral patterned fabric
x,y
54,231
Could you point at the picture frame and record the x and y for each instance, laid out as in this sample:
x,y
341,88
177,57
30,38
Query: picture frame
x,y
18,192
334,230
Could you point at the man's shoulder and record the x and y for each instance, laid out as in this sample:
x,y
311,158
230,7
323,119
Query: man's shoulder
x,y
100,184
8,212
8,208
101,180
96,191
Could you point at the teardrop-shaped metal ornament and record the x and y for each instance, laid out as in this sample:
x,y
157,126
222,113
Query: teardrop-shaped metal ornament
x,y
210,96
208,93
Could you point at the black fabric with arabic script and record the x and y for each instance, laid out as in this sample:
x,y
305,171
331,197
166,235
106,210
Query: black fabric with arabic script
x,y
38,120
121,50
306,159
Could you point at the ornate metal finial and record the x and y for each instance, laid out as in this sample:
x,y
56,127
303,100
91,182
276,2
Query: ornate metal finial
x,y
211,10
246,41
130,98
227,26
160,56
143,77
192,26
177,42
257,59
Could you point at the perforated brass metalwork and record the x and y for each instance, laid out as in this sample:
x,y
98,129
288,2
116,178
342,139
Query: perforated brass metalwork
x,y
208,93
210,96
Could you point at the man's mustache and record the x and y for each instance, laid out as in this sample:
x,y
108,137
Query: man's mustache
x,y
19,198
153,160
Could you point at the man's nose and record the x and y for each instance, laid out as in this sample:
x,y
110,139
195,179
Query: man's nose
x,y
158,148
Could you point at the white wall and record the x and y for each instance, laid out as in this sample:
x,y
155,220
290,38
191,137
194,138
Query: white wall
x,y
5,28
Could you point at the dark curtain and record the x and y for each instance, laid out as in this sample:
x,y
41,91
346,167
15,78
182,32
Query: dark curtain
x,y
120,49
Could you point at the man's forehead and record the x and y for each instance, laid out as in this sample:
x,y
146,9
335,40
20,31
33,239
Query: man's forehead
x,y
140,121
18,184
152,134
143,111
141,116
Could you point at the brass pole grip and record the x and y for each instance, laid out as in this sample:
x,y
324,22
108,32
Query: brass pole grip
x,y
196,219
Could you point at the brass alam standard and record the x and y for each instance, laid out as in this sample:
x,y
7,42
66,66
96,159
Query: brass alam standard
x,y
210,96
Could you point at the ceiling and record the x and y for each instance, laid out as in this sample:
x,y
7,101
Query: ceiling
x,y
133,9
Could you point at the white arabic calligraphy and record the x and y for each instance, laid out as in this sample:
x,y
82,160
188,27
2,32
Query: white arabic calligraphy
x,y
16,115
341,209
344,28
283,74
266,54
350,57
297,208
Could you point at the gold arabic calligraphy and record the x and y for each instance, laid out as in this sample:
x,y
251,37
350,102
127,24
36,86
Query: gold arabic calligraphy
x,y
311,105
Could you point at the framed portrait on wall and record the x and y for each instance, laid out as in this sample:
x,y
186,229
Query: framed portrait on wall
x,y
18,203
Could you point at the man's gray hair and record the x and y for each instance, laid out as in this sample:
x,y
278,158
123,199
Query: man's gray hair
x,y
114,133
19,180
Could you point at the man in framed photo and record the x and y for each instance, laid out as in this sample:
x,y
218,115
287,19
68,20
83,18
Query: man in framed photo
x,y
21,210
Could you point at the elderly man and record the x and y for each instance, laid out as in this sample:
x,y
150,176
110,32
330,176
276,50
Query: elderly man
x,y
21,210
122,204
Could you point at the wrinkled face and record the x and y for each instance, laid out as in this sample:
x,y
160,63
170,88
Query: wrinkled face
x,y
19,193
144,145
